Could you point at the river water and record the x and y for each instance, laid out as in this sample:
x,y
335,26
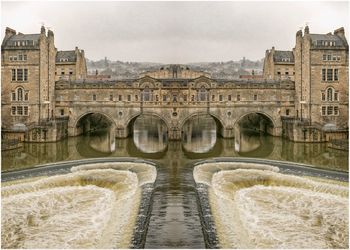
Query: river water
x,y
174,222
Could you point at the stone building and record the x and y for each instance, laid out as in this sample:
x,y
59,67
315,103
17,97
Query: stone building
x,y
27,78
321,87
279,64
175,71
70,65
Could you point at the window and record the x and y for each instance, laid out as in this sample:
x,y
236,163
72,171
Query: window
x,y
202,94
71,72
324,57
111,97
278,73
26,96
329,57
19,74
94,97
323,96
146,94
129,98
25,76
24,57
329,75
13,110
335,74
221,98
287,73
213,97
238,97
329,94
120,98
62,72
335,96
164,98
19,94
287,111
323,110
19,110
25,110
336,110
255,97
323,74
13,96
62,111
229,97
329,110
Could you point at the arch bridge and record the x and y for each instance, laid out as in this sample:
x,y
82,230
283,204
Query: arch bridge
x,y
175,101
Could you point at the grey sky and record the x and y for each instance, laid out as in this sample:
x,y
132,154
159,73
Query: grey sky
x,y
174,32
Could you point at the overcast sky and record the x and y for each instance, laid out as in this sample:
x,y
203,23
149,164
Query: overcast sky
x,y
174,32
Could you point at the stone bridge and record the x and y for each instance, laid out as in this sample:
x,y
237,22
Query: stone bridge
x,y
174,101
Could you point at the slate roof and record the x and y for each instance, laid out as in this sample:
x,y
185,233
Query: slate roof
x,y
68,54
280,56
22,37
326,37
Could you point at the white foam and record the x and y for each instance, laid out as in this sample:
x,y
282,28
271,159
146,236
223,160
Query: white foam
x,y
94,208
255,208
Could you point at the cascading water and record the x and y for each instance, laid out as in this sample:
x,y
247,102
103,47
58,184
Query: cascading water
x,y
96,206
254,206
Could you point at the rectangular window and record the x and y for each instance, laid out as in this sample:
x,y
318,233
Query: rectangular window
x,y
25,110
229,97
323,74
336,110
278,73
20,57
13,110
19,110
220,98
120,98
13,96
335,96
334,58
287,111
62,111
25,76
255,97
335,74
238,97
62,72
19,74
323,110
324,57
24,57
329,74
323,96
13,75
164,98
111,97
129,98
213,97
329,57
330,110
94,97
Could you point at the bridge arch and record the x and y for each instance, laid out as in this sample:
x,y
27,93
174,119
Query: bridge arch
x,y
267,117
79,128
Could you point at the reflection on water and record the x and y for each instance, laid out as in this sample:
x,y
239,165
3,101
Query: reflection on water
x,y
246,144
199,134
150,134
174,222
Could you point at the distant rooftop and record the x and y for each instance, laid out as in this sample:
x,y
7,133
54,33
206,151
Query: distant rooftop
x,y
283,56
66,56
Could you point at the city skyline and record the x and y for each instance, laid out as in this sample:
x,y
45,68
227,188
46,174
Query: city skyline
x,y
174,32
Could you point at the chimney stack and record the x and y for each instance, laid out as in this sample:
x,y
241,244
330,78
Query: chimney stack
x,y
9,32
42,31
307,30
339,32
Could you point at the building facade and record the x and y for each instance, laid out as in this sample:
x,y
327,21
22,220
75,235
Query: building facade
x,y
70,65
278,65
46,96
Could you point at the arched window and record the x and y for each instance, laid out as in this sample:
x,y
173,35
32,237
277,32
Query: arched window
x,y
330,92
19,94
146,94
202,94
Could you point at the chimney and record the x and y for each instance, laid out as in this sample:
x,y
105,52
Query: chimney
x,y
307,30
42,31
339,32
9,32
50,33
300,33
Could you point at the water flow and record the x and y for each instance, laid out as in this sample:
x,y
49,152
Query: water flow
x,y
257,207
96,206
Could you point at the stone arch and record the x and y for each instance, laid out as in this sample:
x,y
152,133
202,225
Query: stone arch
x,y
75,122
184,120
135,116
270,117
